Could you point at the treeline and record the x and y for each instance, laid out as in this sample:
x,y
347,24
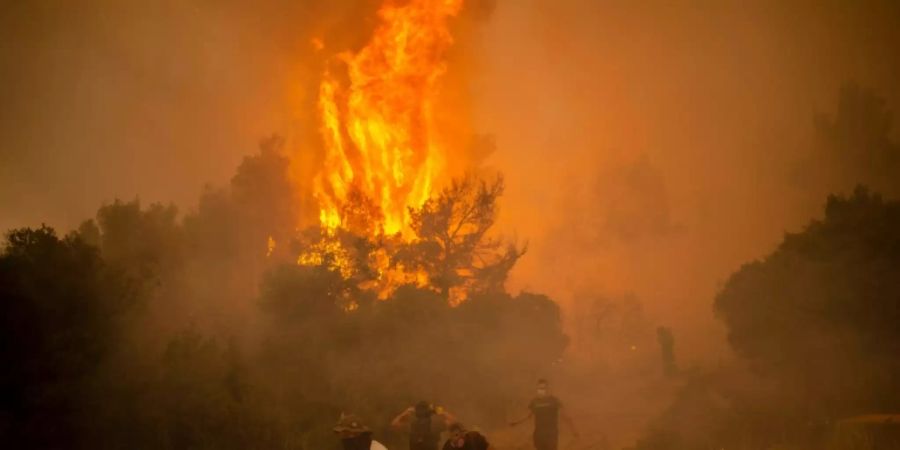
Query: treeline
x,y
147,329
813,323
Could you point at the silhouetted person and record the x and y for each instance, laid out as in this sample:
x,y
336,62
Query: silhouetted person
x,y
667,347
546,410
424,431
354,435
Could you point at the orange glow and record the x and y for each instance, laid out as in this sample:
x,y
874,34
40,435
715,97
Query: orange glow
x,y
328,252
382,148
317,44
378,127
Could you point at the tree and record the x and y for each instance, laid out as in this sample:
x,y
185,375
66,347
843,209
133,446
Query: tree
x,y
854,145
335,347
204,399
820,313
450,249
264,195
60,307
148,241
452,243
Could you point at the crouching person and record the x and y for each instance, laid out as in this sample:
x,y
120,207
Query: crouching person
x,y
462,439
354,435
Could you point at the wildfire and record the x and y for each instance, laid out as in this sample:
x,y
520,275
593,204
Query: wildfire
x,y
384,221
378,126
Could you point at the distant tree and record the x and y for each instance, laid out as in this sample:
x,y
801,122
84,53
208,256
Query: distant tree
x,y
264,195
618,323
147,241
260,204
854,145
60,311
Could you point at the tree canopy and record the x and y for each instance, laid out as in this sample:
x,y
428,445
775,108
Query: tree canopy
x,y
60,311
823,308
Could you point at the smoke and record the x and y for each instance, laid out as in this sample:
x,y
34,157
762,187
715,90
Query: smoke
x,y
109,99
714,101
649,149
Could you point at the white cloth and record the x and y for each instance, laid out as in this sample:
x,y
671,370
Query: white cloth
x,y
377,446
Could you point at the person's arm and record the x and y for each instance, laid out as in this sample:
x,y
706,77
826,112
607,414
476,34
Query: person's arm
x,y
401,419
517,422
446,416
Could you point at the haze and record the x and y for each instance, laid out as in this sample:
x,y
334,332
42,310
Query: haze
x,y
649,149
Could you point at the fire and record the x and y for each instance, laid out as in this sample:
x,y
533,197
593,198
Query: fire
x,y
387,216
378,127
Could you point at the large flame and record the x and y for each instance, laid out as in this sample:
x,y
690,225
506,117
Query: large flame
x,y
378,126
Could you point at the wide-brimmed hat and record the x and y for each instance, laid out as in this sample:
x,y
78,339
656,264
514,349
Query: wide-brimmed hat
x,y
350,423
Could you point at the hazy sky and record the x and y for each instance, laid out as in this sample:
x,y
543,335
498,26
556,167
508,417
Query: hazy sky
x,y
647,145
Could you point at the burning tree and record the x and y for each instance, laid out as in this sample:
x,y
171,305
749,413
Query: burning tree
x,y
450,250
452,244
388,231
379,127
383,222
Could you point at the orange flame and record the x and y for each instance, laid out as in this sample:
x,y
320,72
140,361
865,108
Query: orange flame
x,y
378,127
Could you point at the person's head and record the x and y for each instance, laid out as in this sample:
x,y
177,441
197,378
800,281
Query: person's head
x,y
424,409
349,427
457,435
543,388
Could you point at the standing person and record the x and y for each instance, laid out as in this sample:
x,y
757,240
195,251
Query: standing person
x,y
424,432
462,439
546,410
354,435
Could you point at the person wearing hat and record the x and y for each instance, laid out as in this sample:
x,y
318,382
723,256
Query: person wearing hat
x,y
547,410
354,435
462,439
424,433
